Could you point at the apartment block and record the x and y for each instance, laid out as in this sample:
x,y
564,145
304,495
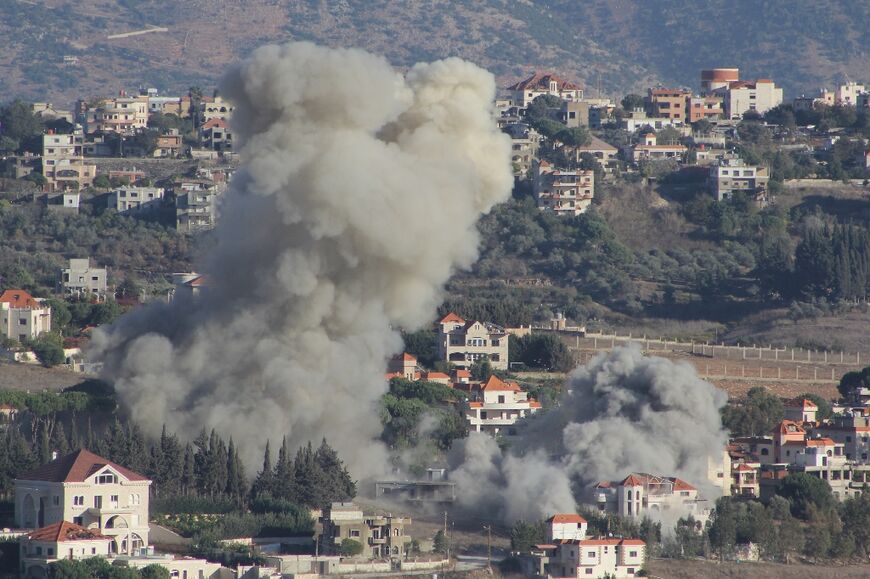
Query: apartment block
x,y
80,279
382,536
565,192
731,174
496,407
135,200
63,163
668,103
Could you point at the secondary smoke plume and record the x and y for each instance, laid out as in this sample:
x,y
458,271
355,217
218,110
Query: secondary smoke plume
x,y
358,200
623,413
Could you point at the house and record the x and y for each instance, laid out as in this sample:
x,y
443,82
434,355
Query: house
x,y
575,113
851,428
122,114
60,540
132,200
403,366
648,149
23,317
668,103
566,527
214,108
90,492
704,107
802,410
740,97
169,144
636,120
732,174
49,112
216,135
543,83
745,479
80,279
463,343
562,191
604,153
847,94
594,558
525,142
63,164
196,204
808,103
497,406
188,285
639,494
382,537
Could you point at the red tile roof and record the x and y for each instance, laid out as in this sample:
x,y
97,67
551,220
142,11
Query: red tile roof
x,y
789,427
743,468
435,376
591,542
76,467
475,405
632,481
566,518
541,81
496,384
215,123
406,357
681,485
19,299
462,373
633,542
65,531
451,317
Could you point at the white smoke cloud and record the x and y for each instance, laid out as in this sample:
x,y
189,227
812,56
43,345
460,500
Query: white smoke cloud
x,y
623,413
359,198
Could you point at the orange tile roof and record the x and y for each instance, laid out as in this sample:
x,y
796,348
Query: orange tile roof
x,y
681,485
534,404
475,405
76,467
408,357
462,373
7,407
198,281
820,442
789,427
592,542
633,542
451,317
743,468
215,123
632,481
65,531
496,384
19,299
435,376
566,518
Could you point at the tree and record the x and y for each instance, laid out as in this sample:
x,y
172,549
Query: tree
x,y
68,569
631,102
723,526
102,182
350,548
789,538
154,572
423,345
855,514
20,124
824,407
852,381
439,542
542,351
481,370
804,492
574,137
49,350
758,414
525,535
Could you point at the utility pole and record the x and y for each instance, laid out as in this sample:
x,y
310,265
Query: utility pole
x,y
446,539
488,529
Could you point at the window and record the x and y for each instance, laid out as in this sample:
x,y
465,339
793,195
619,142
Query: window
x,y
501,399
22,321
354,532
51,551
98,502
55,500
77,521
632,553
589,570
483,414
106,479
591,554
93,550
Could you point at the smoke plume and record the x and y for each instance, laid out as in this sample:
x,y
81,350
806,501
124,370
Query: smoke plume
x,y
622,413
358,199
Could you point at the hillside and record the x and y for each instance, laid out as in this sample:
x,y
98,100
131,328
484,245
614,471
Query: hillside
x,y
623,45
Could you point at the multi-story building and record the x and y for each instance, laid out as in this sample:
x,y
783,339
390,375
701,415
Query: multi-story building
x,y
575,113
382,537
542,83
496,407
63,163
122,114
850,428
745,480
215,108
731,174
648,149
743,96
525,142
57,541
463,343
847,94
22,317
565,192
566,527
704,107
800,410
637,120
640,493
668,103
216,135
593,557
90,492
807,103
135,200
404,366
168,144
196,203
604,153
80,279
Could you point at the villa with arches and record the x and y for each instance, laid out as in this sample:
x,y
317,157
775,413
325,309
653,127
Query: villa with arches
x,y
90,492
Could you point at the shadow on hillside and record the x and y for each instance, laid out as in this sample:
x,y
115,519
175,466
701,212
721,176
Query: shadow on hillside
x,y
844,210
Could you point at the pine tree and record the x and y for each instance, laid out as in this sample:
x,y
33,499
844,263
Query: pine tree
x,y
75,439
310,479
284,483
59,441
201,461
264,483
340,486
188,479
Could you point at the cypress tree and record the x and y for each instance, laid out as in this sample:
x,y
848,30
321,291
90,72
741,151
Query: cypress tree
x,y
264,483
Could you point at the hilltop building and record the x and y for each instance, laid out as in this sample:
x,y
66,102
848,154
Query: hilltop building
x,y
61,540
639,494
497,406
80,279
731,174
122,115
649,149
463,343
23,317
132,200
63,163
542,83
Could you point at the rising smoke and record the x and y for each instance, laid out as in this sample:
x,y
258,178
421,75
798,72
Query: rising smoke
x,y
622,413
358,200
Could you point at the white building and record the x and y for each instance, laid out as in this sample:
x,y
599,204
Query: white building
x,y
641,493
648,149
566,527
541,83
847,94
802,410
497,407
731,174
594,558
80,279
63,164
743,96
61,540
90,492
562,191
23,317
463,343
135,200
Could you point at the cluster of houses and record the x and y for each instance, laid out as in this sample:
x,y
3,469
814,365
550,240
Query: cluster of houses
x,y
836,450
663,127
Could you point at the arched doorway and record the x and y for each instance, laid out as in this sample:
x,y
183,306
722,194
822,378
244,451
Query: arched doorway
x,y
29,510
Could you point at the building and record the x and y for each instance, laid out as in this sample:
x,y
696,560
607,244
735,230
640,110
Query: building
x,y
704,107
122,114
216,135
575,113
731,174
49,112
525,142
668,103
807,103
196,204
562,191
847,94
497,406
382,537
168,144
135,200
639,494
80,279
851,428
718,78
61,540
566,527
23,317
403,366
637,120
63,163
801,410
594,558
604,153
542,83
759,96
90,492
214,108
745,480
463,343
648,149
